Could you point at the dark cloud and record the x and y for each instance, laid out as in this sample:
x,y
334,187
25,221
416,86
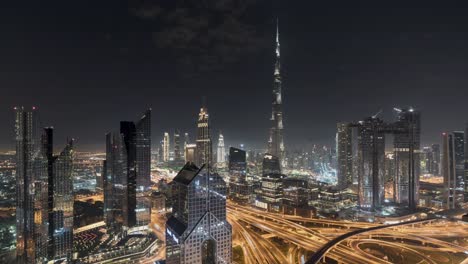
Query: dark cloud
x,y
208,35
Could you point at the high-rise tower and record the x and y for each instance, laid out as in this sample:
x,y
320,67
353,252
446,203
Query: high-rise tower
x,y
198,231
204,150
221,154
31,190
275,142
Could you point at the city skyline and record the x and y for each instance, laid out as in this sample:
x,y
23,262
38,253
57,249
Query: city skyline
x,y
186,138
368,63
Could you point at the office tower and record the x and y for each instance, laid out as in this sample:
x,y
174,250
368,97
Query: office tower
x,y
143,151
448,169
407,133
436,159
197,231
221,154
186,142
177,149
275,142
61,212
344,155
128,133
143,170
371,155
127,172
166,147
203,154
190,152
271,164
239,189
271,192
459,152
115,185
31,190
427,160
186,139
466,162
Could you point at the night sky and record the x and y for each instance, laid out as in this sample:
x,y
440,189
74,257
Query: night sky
x,y
89,64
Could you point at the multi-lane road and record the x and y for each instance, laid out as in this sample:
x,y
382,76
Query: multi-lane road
x,y
418,241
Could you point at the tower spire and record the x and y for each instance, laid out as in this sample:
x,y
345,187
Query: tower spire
x,y
277,40
275,142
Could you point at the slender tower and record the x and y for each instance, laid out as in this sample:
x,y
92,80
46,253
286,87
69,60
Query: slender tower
x,y
204,149
275,143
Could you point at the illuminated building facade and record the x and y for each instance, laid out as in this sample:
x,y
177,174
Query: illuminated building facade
x,y
61,206
204,147
407,150
371,155
197,231
275,142
459,159
177,147
466,163
271,164
239,189
190,152
448,169
166,147
221,153
31,191
143,170
44,217
344,155
115,184
126,173
435,168
452,164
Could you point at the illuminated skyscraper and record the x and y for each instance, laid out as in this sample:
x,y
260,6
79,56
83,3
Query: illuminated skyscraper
x,y
44,194
436,159
166,147
177,147
190,152
448,169
115,184
197,231
143,150
239,189
271,193
407,156
371,159
344,155
31,191
275,142
459,152
126,171
204,149
61,212
466,162
143,169
221,154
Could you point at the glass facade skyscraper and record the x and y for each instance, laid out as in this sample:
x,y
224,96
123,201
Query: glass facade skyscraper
x,y
61,216
197,231
371,155
239,189
31,191
44,212
407,150
127,176
344,155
